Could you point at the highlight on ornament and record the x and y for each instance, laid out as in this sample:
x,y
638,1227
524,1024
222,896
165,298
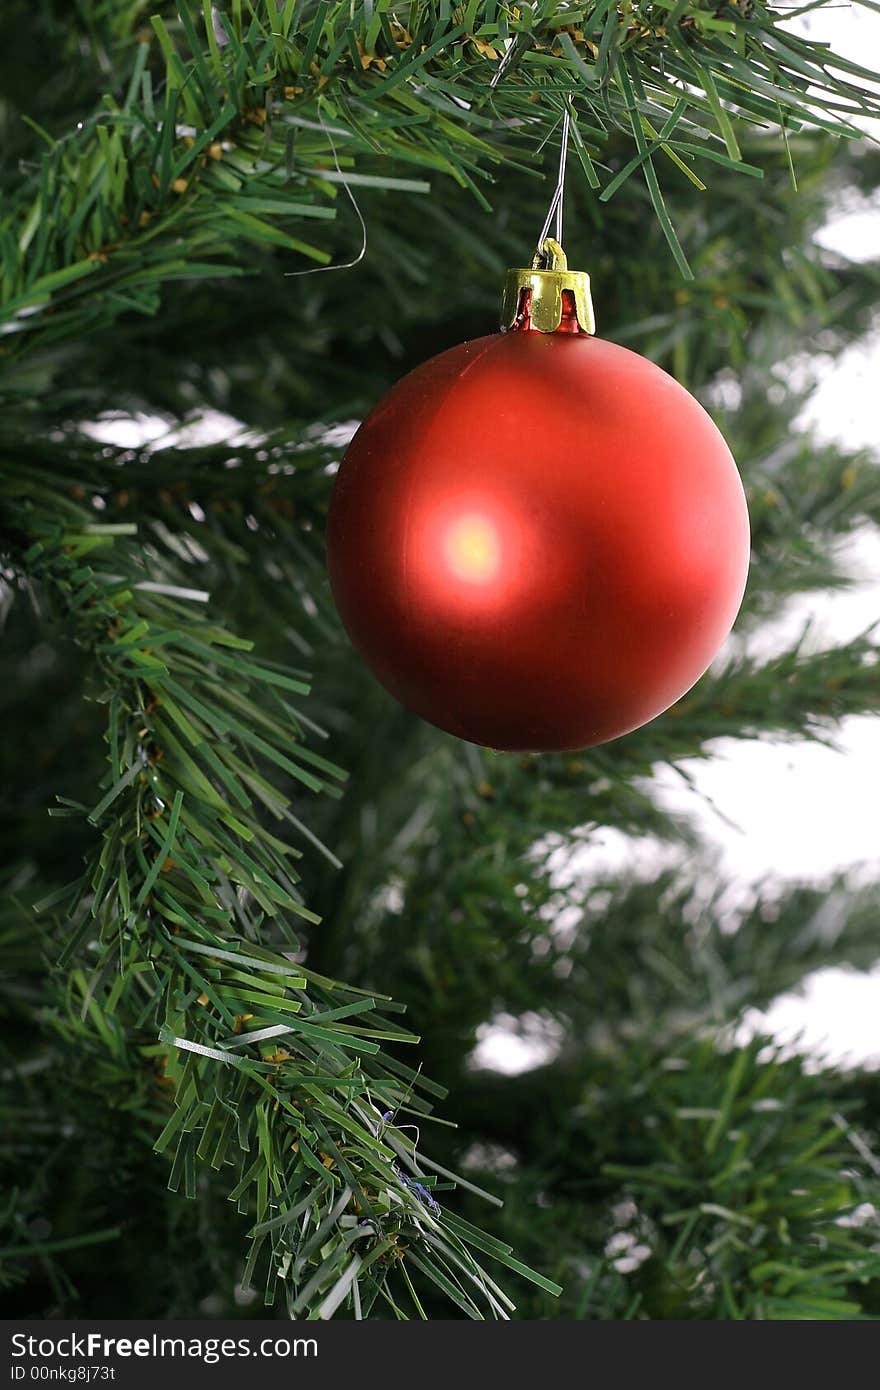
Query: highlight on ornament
x,y
472,549
538,540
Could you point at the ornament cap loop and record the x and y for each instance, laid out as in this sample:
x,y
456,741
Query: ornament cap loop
x,y
546,280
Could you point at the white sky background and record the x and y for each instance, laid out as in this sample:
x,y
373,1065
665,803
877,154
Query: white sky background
x,y
799,811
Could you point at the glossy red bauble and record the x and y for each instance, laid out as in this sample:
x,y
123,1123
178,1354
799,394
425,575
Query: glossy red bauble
x,y
538,540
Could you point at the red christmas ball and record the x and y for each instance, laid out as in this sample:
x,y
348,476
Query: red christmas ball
x,y
538,540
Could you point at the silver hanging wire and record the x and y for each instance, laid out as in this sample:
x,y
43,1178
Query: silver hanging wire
x,y
337,265
557,200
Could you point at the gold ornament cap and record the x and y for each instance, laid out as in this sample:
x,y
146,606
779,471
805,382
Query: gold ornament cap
x,y
547,279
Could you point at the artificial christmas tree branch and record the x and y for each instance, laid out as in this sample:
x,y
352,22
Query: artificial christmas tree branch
x,y
166,182
757,1202
183,923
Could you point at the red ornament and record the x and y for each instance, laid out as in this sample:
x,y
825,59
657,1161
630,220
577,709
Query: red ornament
x,y
538,540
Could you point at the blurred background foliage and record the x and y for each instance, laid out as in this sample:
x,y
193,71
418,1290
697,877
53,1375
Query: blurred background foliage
x,y
174,403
